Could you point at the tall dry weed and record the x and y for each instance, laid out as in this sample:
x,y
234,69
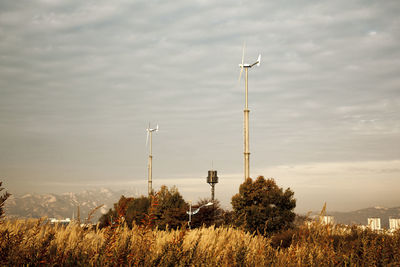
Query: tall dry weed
x,y
36,242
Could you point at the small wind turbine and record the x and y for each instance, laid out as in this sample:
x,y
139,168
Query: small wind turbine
x,y
150,167
246,113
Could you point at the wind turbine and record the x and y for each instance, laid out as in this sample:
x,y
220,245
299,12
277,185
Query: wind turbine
x,y
246,67
150,167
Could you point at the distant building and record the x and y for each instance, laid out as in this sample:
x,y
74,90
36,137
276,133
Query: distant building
x,y
328,220
394,224
374,223
65,221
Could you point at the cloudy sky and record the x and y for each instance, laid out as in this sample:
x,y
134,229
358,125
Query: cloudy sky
x,y
81,80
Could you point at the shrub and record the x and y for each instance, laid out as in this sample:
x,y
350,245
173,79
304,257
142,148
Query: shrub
x,y
261,206
169,210
3,199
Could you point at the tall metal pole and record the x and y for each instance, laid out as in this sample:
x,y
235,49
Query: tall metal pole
x,y
246,132
190,214
150,167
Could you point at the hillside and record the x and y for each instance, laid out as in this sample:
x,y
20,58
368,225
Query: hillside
x,y
361,216
62,206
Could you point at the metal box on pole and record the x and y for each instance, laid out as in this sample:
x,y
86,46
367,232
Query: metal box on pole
x,y
212,179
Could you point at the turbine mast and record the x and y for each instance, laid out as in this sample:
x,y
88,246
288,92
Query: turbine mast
x,y
246,130
246,113
150,166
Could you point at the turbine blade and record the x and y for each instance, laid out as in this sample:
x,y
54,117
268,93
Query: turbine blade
x,y
157,128
240,74
244,45
147,137
257,62
241,67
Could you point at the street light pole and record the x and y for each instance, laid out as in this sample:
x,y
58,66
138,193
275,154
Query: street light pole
x,y
190,213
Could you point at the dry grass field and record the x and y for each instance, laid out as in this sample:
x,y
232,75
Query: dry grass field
x,y
35,242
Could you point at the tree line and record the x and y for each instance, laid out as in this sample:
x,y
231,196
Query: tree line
x,y
260,206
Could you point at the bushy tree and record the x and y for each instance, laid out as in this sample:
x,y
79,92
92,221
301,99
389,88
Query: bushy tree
x,y
131,209
114,215
107,218
261,206
3,199
171,208
136,210
207,216
228,218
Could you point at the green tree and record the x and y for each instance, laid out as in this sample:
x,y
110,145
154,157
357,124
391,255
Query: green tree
x,y
264,207
137,208
107,218
228,217
171,208
115,215
132,209
3,199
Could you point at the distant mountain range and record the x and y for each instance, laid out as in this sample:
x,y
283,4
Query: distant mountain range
x,y
361,216
62,206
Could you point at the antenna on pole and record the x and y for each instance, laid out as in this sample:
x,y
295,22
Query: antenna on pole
x,y
150,164
246,110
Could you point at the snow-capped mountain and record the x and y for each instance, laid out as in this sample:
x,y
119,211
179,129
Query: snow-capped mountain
x,y
64,205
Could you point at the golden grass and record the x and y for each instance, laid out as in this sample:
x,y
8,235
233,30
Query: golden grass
x,y
35,242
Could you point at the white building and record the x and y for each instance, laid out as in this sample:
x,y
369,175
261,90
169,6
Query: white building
x,y
65,221
394,224
328,220
374,223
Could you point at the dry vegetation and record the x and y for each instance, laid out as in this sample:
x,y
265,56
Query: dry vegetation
x,y
36,242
